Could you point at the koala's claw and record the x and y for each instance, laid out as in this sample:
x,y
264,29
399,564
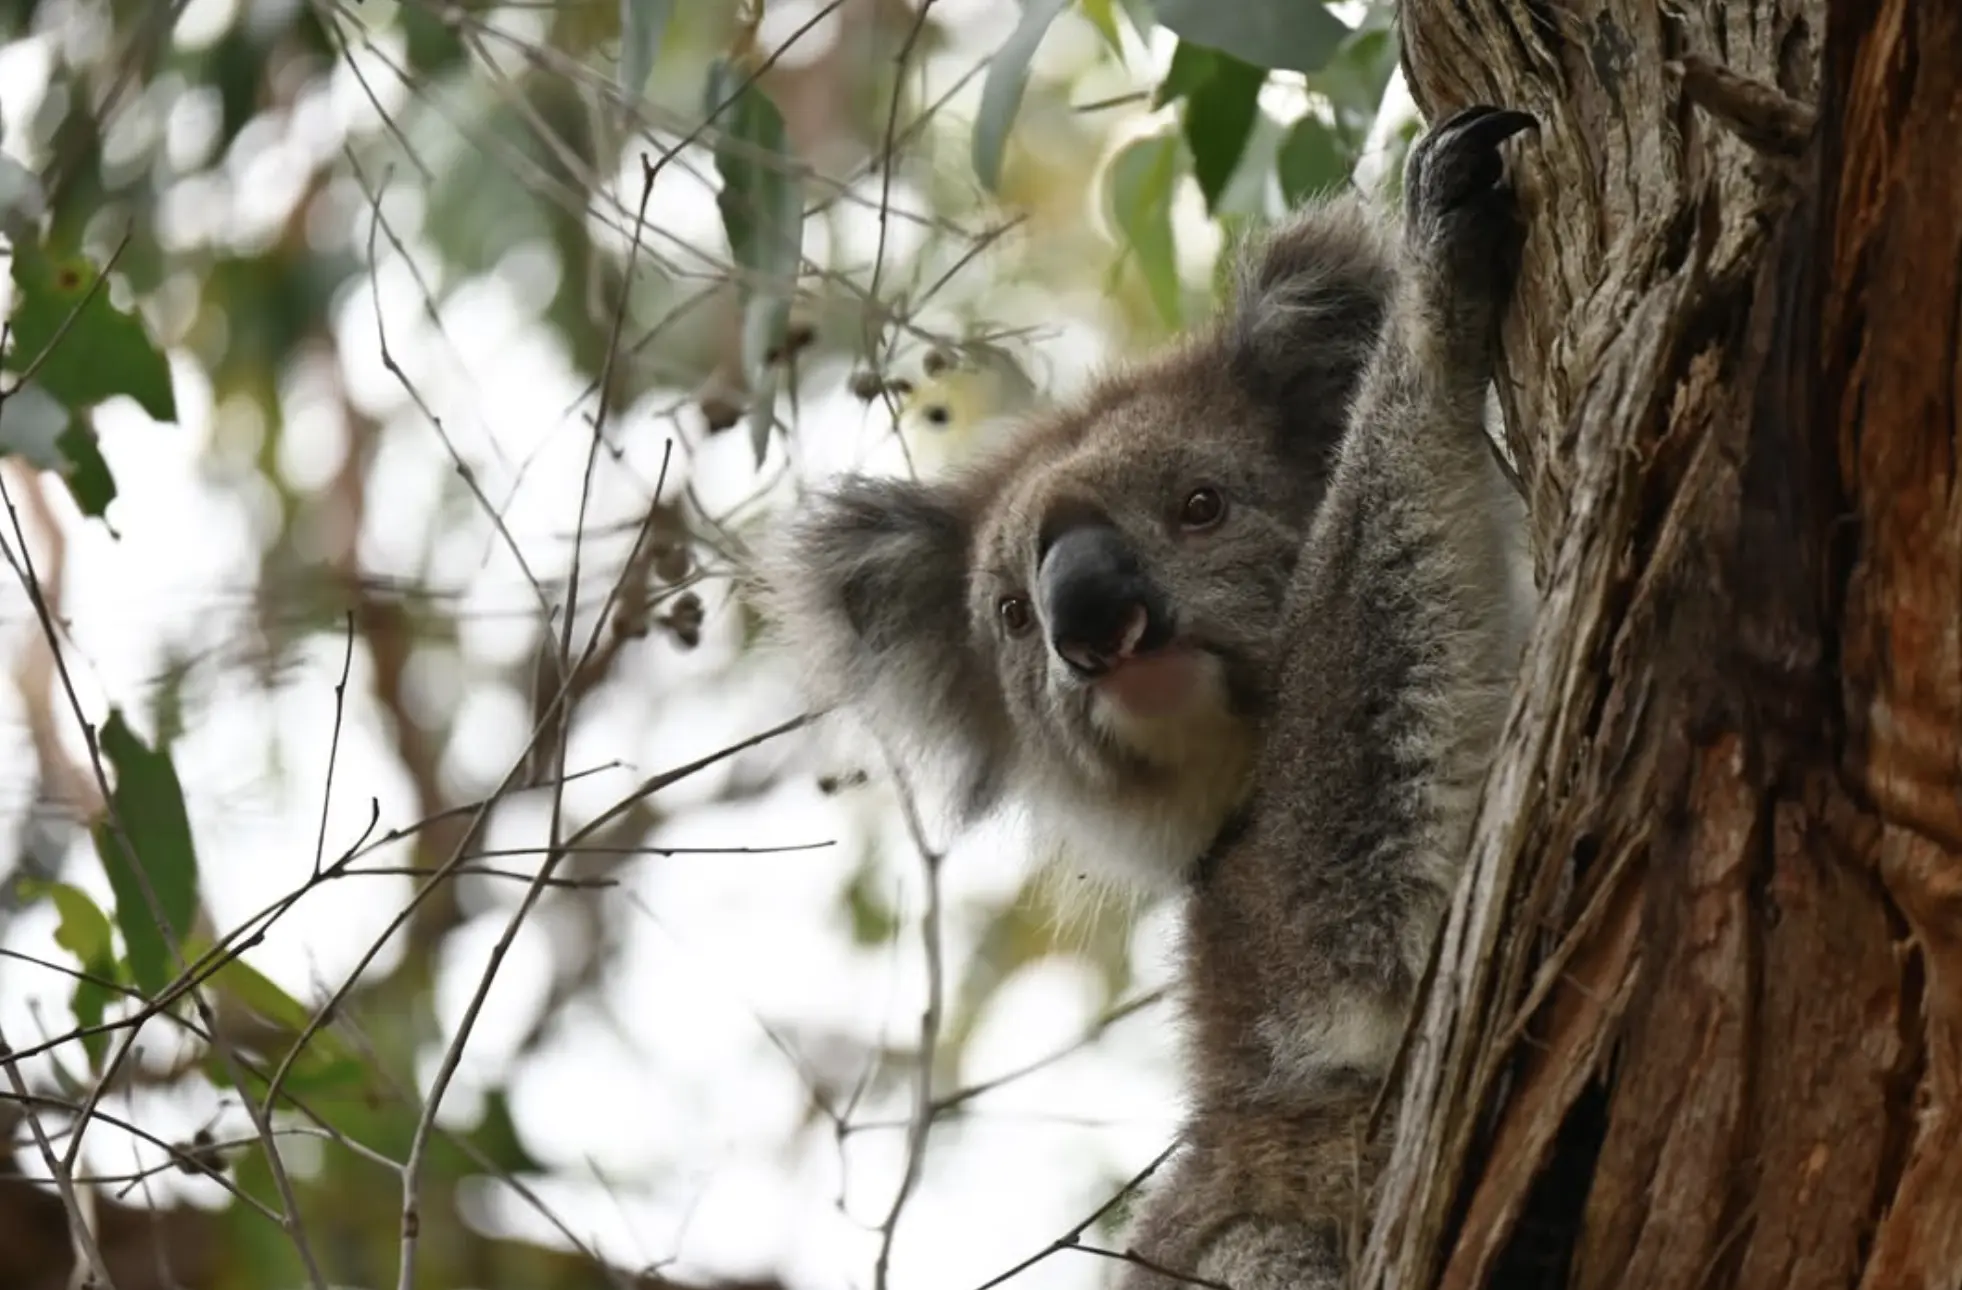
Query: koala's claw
x,y
1458,161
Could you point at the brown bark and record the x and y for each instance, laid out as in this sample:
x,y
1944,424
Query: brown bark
x,y
1698,1015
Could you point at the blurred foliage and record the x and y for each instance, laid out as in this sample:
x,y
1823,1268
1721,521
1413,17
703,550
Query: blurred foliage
x,y
154,216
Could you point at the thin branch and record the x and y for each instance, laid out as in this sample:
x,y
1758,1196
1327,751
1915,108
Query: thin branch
x,y
86,1249
930,1019
1073,1239
334,745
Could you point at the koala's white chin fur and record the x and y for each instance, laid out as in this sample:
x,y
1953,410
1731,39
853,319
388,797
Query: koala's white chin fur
x,y
1167,685
1144,840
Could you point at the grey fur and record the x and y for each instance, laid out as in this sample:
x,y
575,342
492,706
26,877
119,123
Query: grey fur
x,y
886,591
1361,608
1311,918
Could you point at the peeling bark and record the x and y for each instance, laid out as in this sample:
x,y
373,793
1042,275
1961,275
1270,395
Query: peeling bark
x,y
1697,1020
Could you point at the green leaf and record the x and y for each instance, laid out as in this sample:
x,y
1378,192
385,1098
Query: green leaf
x,y
873,919
84,931
1192,66
1139,13
250,987
1355,77
22,199
762,205
327,1061
103,352
149,803
86,473
1297,35
1102,14
90,1003
1311,161
1143,177
642,24
1001,92
35,427
1252,192
31,424
1219,116
314,1073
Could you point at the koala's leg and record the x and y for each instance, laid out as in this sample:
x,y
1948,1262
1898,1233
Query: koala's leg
x,y
1258,1198
1183,1239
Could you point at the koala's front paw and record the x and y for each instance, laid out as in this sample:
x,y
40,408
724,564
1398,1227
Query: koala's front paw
x,y
1459,214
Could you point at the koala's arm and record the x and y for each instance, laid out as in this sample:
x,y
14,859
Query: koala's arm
x,y
1310,923
1404,624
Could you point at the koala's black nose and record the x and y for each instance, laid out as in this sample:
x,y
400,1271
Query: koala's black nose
x,y
1098,603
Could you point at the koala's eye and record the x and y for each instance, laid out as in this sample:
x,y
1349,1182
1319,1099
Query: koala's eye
x,y
1204,507
1016,616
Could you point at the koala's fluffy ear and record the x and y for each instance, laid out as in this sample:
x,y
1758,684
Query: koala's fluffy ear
x,y
1309,300
867,590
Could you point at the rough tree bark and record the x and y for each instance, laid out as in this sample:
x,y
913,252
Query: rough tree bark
x,y
1697,1018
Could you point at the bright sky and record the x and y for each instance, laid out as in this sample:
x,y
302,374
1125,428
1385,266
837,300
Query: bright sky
x,y
668,1099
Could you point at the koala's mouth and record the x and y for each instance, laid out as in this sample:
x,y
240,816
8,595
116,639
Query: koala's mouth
x,y
1147,673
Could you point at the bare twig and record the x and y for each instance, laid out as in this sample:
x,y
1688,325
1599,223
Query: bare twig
x,y
87,1252
1073,1239
930,1018
334,746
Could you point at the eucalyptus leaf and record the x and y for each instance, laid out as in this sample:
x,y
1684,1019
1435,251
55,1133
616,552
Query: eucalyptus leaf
x,y
31,424
762,207
1295,35
1354,79
1102,14
22,199
84,932
1192,66
1311,161
1219,116
149,806
79,346
327,1059
1140,184
84,471
1139,12
84,929
35,427
1001,92
1253,192
642,25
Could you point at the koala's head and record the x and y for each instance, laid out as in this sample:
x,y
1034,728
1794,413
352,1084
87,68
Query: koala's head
x,y
1085,621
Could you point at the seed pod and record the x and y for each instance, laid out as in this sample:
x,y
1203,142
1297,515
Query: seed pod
x,y
721,412
796,338
672,561
684,620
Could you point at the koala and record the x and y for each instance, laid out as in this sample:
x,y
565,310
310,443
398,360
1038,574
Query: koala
x,y
1082,624
1311,916
1239,625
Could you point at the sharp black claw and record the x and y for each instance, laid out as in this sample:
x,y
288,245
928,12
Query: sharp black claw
x,y
1464,116
1490,126
1459,160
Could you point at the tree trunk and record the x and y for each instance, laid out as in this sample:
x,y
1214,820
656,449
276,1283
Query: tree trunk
x,y
1697,1017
